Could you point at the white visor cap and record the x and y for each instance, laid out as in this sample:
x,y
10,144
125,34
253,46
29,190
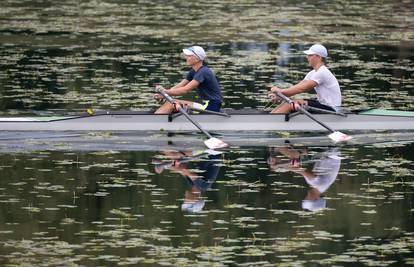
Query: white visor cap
x,y
314,205
317,49
197,51
193,207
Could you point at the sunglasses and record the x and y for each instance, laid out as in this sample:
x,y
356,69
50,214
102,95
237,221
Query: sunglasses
x,y
193,51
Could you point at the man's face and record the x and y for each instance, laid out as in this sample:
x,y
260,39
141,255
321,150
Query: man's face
x,y
191,59
312,59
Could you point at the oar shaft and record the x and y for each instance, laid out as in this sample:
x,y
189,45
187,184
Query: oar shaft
x,y
182,111
210,112
315,119
304,111
184,160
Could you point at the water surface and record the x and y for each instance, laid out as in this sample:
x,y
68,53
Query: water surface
x,y
243,206
109,204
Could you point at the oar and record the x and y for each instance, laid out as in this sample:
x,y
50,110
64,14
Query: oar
x,y
212,142
210,112
163,166
336,136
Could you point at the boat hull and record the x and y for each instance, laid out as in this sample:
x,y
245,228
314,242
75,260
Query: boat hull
x,y
236,122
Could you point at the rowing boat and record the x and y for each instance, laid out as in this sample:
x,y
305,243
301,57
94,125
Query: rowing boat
x,y
374,119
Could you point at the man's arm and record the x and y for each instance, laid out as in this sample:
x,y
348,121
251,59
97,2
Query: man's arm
x,y
175,89
301,87
181,89
184,82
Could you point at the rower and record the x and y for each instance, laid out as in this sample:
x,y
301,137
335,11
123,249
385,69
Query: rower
x,y
199,182
320,78
319,178
200,77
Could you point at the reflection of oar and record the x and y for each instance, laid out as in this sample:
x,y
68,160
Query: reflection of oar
x,y
212,142
335,135
163,166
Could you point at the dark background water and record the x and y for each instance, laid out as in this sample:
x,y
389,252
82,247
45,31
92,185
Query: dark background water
x,y
52,78
112,207
109,54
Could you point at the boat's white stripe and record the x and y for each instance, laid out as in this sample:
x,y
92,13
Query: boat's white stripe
x,y
49,118
19,119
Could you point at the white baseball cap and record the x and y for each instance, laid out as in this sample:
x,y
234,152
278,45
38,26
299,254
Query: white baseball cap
x,y
314,205
317,49
193,207
195,50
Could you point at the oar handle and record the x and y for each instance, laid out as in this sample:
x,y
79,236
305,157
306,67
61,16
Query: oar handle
x,y
285,98
304,111
161,90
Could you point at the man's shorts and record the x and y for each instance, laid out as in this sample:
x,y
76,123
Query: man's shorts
x,y
316,104
211,105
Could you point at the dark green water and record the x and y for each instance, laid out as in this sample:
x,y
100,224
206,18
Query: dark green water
x,y
113,207
72,55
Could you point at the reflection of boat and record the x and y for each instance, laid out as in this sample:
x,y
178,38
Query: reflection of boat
x,y
237,121
131,141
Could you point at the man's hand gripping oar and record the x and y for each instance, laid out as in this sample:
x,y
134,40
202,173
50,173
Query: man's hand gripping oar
x,y
336,136
212,142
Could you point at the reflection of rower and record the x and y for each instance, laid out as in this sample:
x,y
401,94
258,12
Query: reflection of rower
x,y
320,178
200,182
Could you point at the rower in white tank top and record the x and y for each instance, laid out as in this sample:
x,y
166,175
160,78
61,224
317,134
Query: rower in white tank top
x,y
327,88
320,78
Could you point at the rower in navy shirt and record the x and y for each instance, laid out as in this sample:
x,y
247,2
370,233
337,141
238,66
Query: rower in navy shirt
x,y
200,77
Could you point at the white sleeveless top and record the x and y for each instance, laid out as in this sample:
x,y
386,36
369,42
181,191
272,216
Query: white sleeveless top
x,y
326,170
327,90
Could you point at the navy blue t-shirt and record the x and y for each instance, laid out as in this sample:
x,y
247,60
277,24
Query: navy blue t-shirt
x,y
208,176
209,87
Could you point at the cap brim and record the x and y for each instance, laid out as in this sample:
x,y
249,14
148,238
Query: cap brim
x,y
309,52
187,52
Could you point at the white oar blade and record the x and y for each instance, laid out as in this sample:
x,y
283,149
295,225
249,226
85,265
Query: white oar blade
x,y
339,137
214,143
